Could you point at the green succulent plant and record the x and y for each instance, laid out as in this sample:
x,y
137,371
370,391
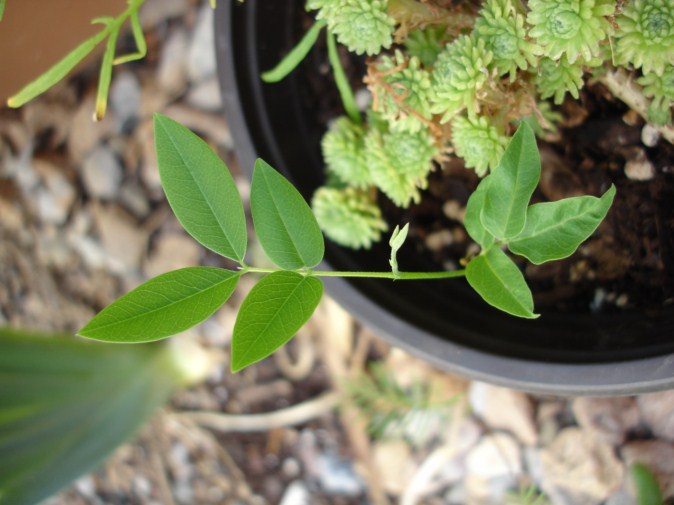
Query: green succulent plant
x,y
403,93
646,36
661,89
556,78
425,44
348,216
399,163
363,26
505,34
478,142
460,72
343,149
573,28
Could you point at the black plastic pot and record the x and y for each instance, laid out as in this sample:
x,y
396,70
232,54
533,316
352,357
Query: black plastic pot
x,y
443,322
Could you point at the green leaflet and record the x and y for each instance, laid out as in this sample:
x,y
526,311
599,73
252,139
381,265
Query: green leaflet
x,y
163,306
67,404
295,56
554,230
396,242
200,189
58,71
512,183
500,283
2,8
284,223
472,221
271,314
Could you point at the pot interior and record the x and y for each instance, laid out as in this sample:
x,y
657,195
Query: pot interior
x,y
282,128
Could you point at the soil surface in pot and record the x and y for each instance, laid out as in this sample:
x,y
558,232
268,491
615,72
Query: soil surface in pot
x,y
628,263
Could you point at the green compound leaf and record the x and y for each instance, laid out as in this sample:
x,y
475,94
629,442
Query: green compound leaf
x,y
200,189
554,230
295,56
472,221
163,306
513,182
500,283
271,314
284,223
67,404
57,72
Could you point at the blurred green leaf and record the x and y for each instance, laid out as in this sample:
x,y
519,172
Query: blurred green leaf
x,y
647,487
284,223
271,314
512,183
554,230
295,56
67,404
163,306
500,283
2,8
200,189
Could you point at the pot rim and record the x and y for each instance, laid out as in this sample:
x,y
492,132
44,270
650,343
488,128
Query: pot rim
x,y
625,377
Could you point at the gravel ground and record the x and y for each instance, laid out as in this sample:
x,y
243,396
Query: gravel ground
x,y
337,418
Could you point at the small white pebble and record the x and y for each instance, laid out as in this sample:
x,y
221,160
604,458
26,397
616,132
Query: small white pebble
x,y
439,239
622,300
639,170
650,136
453,210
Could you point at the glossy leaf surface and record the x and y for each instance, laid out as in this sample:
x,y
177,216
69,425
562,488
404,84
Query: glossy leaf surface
x,y
271,314
512,183
554,230
284,224
67,404
163,306
200,189
500,283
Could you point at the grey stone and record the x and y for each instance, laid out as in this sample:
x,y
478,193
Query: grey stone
x,y
205,95
505,409
296,494
125,99
102,174
201,60
155,12
496,455
610,419
579,469
657,411
55,198
172,72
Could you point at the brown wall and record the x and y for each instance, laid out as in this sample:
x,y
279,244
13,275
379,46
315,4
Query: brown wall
x,y
35,34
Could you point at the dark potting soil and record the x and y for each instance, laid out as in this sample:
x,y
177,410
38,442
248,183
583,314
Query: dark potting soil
x,y
628,263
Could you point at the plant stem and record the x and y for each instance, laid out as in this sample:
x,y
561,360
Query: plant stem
x,y
373,275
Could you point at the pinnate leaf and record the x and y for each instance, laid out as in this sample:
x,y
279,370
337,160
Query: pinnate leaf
x,y
512,183
500,283
271,314
554,230
472,221
163,306
200,189
284,224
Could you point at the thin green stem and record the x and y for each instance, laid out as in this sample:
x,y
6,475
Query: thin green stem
x,y
403,276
